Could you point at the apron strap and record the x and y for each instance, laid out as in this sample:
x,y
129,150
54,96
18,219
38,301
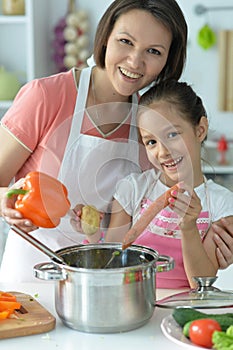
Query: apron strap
x,y
80,104
133,134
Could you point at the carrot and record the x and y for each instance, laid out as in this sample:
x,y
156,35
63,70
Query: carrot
x,y
4,314
4,296
9,305
148,215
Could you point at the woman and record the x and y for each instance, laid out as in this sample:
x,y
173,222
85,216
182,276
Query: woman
x,y
137,42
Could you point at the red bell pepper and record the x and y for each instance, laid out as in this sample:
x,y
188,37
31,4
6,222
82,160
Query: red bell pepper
x,y
42,199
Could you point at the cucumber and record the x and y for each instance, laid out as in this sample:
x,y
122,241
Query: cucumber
x,y
185,315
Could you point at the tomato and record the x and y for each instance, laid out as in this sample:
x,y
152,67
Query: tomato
x,y
200,331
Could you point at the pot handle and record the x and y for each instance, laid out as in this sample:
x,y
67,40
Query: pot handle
x,y
164,263
49,271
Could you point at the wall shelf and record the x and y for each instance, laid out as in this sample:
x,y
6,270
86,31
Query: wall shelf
x,y
218,169
210,155
25,44
12,19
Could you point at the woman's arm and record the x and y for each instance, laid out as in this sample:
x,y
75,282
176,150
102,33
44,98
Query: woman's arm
x,y
12,156
223,238
199,259
120,223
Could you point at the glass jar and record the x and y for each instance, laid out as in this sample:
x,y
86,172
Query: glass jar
x,y
13,7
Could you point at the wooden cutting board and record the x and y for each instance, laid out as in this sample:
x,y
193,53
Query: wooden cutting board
x,y
32,318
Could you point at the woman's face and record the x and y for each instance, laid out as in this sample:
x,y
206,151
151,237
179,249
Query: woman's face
x,y
173,145
137,51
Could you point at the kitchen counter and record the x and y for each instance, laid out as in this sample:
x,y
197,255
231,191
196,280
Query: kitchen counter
x,y
148,336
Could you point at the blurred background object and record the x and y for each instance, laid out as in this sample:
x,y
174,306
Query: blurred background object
x,y
13,7
71,41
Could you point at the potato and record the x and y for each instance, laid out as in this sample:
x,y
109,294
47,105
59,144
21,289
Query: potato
x,y
90,220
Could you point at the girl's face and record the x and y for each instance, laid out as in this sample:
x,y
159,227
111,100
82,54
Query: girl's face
x,y
173,145
136,52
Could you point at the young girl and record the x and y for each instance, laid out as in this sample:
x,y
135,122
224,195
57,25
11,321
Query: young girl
x,y
173,129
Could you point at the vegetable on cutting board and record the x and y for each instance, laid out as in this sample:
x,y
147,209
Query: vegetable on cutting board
x,y
42,199
8,304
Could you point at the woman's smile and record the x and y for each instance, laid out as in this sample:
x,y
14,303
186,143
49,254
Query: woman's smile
x,y
128,74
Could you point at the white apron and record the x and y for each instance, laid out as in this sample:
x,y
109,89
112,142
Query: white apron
x,y
90,168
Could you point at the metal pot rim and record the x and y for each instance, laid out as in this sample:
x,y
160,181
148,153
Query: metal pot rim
x,y
142,249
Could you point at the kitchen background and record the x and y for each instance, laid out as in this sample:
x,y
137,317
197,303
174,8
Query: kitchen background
x,y
28,44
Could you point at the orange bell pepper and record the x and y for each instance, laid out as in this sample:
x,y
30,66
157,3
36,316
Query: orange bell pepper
x,y
42,199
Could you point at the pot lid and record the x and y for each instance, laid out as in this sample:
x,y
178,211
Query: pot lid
x,y
205,296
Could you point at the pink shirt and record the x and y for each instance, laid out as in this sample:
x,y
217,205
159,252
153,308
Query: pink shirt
x,y
40,118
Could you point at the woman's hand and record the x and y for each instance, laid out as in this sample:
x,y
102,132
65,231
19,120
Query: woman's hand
x,y
223,238
13,216
75,220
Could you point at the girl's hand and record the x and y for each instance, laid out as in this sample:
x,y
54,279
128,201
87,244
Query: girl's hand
x,y
188,207
13,216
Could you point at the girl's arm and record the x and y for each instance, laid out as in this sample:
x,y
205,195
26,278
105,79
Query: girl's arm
x,y
199,259
120,223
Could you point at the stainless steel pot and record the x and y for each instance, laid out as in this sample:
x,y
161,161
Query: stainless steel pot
x,y
93,298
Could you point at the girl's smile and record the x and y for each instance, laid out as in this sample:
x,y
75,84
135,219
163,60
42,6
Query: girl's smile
x,y
172,164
